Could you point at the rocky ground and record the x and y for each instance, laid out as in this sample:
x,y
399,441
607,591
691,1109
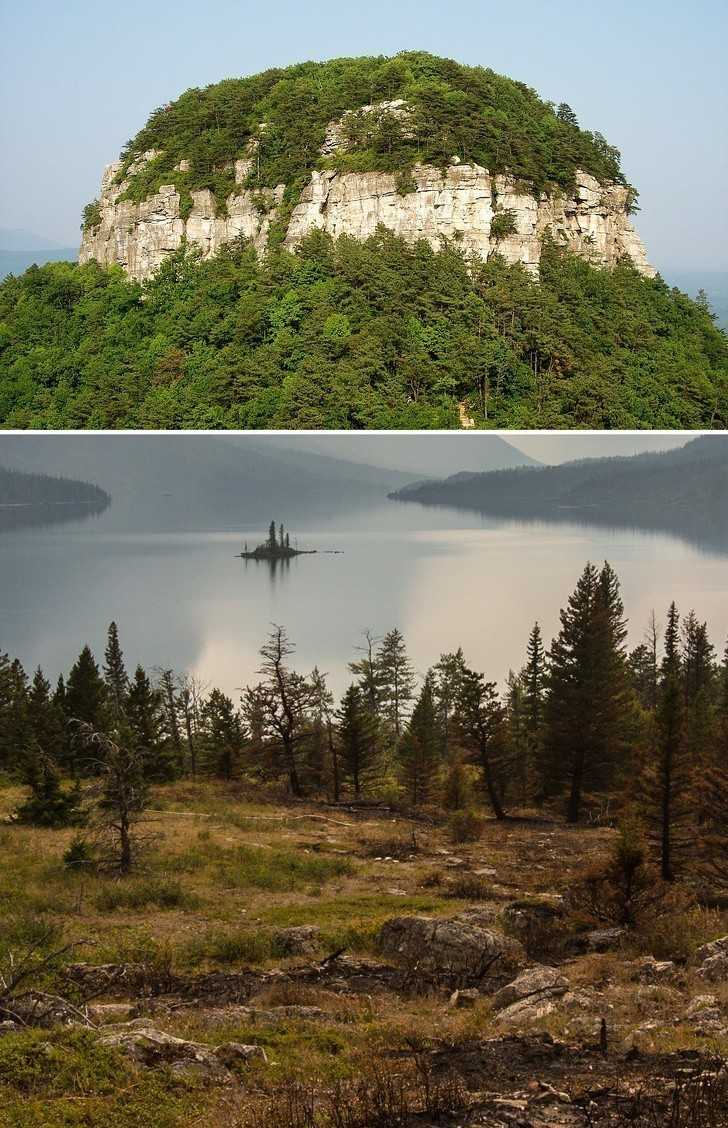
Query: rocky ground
x,y
312,967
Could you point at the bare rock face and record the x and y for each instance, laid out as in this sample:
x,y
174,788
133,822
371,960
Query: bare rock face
x,y
482,214
139,236
455,951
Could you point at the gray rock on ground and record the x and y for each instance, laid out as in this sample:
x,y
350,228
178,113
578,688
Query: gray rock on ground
x,y
712,960
460,951
149,1047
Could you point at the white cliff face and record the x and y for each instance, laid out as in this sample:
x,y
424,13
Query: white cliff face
x,y
458,204
140,236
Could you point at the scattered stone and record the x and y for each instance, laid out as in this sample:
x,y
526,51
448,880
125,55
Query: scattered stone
x,y
650,970
101,1014
7,1026
149,1047
535,983
299,940
37,1008
712,960
466,997
706,1016
458,951
603,939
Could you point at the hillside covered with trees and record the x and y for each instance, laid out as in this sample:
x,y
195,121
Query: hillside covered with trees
x,y
483,117
678,491
30,499
346,334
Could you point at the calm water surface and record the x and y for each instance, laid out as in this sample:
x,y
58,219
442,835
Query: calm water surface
x,y
446,578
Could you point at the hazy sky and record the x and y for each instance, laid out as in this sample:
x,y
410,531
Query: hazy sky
x,y
78,79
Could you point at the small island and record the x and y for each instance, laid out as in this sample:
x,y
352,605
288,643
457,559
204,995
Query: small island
x,y
276,547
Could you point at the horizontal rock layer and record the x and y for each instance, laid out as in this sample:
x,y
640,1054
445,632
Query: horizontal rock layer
x,y
459,204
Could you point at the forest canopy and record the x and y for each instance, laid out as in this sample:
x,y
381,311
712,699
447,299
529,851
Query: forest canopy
x,y
347,334
454,110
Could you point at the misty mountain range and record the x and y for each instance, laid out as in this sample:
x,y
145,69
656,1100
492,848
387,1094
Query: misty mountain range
x,y
175,481
682,491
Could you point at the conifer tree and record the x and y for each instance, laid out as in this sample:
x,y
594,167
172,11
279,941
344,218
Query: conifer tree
x,y
48,804
14,713
45,719
396,681
367,673
480,720
283,700
519,787
713,790
323,756
418,751
358,742
567,115
223,735
122,791
85,690
586,707
115,675
534,694
448,675
170,706
145,714
665,799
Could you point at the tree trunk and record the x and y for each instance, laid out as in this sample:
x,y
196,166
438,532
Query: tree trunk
x,y
574,805
492,789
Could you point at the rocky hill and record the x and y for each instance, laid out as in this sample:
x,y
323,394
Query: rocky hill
x,y
423,146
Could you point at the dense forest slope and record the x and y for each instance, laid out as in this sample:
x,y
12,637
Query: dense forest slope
x,y
424,146
346,333
680,491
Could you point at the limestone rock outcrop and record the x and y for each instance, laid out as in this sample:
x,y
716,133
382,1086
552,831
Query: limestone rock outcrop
x,y
481,213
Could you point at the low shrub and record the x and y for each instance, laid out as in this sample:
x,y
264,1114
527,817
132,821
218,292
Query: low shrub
x,y
465,826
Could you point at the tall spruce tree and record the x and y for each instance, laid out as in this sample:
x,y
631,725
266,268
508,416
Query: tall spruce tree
x,y
85,703
145,713
115,674
283,699
322,754
448,676
396,680
665,795
418,754
223,735
358,742
14,713
45,719
367,674
586,707
481,720
534,694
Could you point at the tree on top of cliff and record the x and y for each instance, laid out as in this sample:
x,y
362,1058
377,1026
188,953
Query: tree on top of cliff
x,y
281,116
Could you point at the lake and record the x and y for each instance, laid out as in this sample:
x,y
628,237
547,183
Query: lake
x,y
446,578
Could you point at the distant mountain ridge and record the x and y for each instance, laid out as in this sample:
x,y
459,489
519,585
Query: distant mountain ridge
x,y
680,491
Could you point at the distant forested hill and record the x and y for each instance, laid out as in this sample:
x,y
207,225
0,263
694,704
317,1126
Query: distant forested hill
x,y
31,499
680,491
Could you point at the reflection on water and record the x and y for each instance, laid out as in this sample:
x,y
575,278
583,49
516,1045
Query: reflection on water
x,y
445,578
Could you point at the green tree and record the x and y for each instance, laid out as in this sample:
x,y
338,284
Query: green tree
x,y
396,681
419,753
480,720
358,742
587,703
223,735
115,674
